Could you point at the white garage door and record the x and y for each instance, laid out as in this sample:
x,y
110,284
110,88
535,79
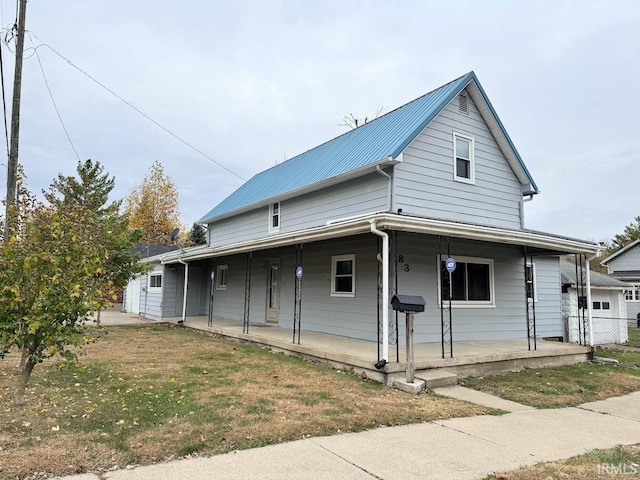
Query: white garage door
x,y
132,294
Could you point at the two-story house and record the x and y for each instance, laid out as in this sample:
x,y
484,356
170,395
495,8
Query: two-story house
x,y
625,265
321,242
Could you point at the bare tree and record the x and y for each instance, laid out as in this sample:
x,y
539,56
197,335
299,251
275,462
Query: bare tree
x,y
353,122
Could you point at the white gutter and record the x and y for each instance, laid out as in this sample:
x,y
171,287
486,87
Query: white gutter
x,y
334,221
385,289
391,221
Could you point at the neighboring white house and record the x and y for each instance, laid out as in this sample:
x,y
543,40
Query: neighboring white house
x,y
608,308
625,265
375,211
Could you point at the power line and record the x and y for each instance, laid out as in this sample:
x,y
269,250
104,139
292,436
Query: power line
x,y
180,139
4,98
54,102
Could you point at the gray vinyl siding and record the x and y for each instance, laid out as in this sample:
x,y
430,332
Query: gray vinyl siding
x,y
505,320
424,183
355,197
352,317
633,309
629,260
239,228
549,293
151,299
357,317
170,304
197,290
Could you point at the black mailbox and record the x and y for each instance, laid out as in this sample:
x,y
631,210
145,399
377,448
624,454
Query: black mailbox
x,y
408,303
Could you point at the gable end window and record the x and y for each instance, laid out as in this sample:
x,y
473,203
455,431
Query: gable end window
x,y
343,276
463,159
221,277
155,280
274,217
471,283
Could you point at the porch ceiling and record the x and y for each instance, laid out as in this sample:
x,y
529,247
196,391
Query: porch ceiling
x,y
542,242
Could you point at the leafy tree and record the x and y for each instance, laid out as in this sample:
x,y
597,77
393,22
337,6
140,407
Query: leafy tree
x,y
198,234
52,270
90,190
631,232
153,206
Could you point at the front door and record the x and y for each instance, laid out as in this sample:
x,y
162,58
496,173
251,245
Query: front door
x,y
273,291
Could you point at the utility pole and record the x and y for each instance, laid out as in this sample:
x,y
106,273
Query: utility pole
x,y
12,167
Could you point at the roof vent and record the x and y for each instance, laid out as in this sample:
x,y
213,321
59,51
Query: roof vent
x,y
463,105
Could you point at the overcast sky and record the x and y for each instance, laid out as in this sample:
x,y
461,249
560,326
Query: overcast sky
x,y
251,83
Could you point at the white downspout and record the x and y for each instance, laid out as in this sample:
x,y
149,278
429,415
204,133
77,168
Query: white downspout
x,y
522,202
186,283
385,289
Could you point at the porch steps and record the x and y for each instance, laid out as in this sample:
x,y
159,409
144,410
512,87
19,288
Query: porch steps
x,y
437,379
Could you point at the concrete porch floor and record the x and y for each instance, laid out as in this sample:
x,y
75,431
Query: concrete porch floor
x,y
471,358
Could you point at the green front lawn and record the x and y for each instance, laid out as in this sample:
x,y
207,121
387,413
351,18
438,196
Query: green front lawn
x,y
564,386
634,337
151,393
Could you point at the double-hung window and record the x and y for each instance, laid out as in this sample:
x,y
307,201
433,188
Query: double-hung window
x,y
633,294
274,217
470,284
221,277
463,159
343,276
155,280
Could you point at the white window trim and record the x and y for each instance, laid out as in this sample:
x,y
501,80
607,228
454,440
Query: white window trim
x,y
218,277
535,281
635,288
334,261
155,274
273,229
473,303
472,162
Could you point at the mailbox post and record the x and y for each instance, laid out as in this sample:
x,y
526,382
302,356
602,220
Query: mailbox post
x,y
410,304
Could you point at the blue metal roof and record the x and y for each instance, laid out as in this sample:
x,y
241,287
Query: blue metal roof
x,y
386,136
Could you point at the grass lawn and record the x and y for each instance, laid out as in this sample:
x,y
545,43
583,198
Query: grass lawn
x,y
152,393
625,357
564,386
634,337
615,464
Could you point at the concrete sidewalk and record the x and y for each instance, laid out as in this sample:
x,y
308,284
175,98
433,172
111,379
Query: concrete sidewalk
x,y
460,448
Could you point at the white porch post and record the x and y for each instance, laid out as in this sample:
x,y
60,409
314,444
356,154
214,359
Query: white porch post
x,y
186,283
589,304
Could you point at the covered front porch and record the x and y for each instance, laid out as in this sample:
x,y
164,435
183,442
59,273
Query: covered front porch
x,y
476,357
